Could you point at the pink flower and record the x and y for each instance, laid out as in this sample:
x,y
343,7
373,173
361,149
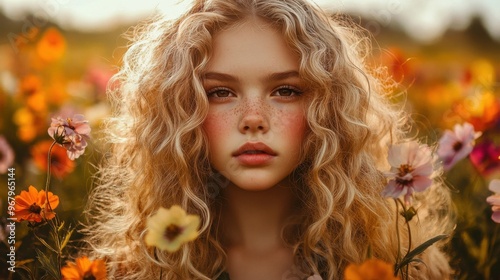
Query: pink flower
x,y
6,155
494,200
70,133
456,145
486,157
411,169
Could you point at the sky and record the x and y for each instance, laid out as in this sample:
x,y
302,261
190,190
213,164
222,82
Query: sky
x,y
424,20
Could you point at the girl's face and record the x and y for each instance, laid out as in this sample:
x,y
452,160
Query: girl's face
x,y
256,121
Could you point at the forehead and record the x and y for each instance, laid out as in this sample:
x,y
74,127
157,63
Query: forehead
x,y
255,43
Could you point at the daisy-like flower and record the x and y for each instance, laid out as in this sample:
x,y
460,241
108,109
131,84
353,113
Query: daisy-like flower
x,y
83,269
71,133
32,205
60,164
494,200
411,169
456,145
6,155
168,229
372,269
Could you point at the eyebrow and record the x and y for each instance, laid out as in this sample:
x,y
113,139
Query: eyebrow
x,y
271,77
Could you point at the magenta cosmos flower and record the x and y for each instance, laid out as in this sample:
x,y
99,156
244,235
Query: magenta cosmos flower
x,y
6,155
411,170
71,133
494,200
456,145
486,157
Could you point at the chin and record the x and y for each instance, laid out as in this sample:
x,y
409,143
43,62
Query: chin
x,y
255,185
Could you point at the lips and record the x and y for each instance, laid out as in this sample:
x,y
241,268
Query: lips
x,y
254,148
254,154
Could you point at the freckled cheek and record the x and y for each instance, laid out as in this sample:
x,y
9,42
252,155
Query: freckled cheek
x,y
212,125
217,126
291,123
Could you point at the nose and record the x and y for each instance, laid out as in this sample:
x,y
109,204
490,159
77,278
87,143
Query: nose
x,y
254,118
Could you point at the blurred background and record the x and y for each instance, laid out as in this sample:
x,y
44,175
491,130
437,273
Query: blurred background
x,y
56,57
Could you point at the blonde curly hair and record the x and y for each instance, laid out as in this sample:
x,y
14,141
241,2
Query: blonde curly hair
x,y
158,152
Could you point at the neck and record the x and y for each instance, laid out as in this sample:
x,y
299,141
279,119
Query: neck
x,y
254,219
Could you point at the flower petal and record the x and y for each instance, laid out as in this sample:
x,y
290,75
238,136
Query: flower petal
x,y
421,183
494,186
394,190
496,217
493,199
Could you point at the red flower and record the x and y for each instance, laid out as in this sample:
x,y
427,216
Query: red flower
x,y
486,157
60,164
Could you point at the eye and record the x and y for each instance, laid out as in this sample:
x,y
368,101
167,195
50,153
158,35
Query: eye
x,y
287,91
220,92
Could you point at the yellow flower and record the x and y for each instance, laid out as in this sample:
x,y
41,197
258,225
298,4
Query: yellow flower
x,y
168,229
483,72
372,269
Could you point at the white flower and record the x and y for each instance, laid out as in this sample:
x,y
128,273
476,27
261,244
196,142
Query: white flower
x,y
411,170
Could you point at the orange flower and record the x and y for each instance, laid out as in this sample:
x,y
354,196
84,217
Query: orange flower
x,y
372,269
29,123
31,206
84,269
30,85
51,46
398,64
37,102
60,164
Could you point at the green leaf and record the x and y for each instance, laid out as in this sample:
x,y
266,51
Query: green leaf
x,y
61,226
47,264
29,275
66,238
419,250
46,244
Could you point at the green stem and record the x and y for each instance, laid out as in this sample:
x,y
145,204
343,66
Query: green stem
x,y
54,224
409,237
407,226
396,270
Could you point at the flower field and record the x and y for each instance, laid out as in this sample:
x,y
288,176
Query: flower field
x,y
53,101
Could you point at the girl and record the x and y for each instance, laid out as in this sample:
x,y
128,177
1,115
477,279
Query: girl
x,y
261,117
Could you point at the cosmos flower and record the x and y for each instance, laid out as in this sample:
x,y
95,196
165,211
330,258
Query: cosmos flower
x,y
83,269
168,229
32,205
6,155
411,169
71,133
486,157
29,85
456,145
60,164
51,45
494,200
372,269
